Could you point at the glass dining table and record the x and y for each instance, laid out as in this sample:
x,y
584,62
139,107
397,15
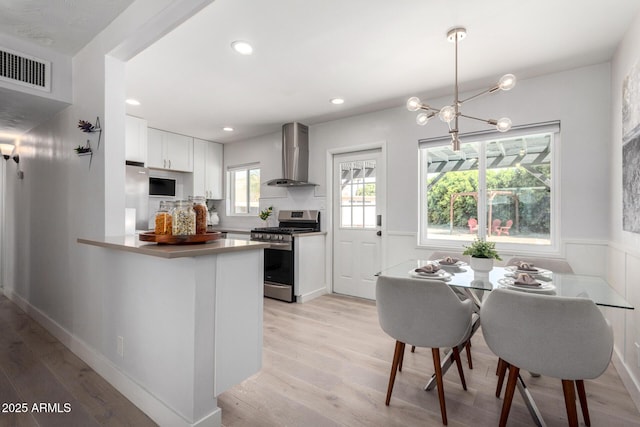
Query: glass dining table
x,y
473,284
567,285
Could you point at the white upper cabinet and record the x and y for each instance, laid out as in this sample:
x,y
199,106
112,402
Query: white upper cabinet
x,y
135,139
167,150
207,169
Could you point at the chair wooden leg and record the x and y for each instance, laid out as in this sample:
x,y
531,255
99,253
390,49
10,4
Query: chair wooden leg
x,y
468,348
583,401
413,349
508,395
436,364
570,402
456,357
401,358
502,370
394,368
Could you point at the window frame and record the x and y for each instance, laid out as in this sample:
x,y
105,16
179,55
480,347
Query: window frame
x,y
231,173
553,248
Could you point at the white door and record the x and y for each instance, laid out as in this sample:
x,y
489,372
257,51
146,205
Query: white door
x,y
358,205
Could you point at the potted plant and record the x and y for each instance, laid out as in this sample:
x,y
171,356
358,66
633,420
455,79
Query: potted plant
x,y
265,214
482,254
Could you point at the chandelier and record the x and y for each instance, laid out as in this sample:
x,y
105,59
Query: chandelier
x,y
451,113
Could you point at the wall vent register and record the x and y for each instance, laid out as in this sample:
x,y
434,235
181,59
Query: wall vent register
x,y
25,70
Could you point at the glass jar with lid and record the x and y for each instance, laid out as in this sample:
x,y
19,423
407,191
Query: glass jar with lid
x,y
164,219
200,207
184,218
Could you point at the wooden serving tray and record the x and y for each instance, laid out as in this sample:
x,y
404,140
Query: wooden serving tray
x,y
165,239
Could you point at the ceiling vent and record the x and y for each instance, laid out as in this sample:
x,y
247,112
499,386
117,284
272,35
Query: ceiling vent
x,y
25,70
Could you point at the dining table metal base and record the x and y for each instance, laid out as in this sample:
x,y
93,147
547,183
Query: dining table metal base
x,y
448,359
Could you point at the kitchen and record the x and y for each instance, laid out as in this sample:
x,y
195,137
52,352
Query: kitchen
x,y
46,161
194,167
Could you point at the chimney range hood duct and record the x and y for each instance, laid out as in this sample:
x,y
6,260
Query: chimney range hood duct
x,y
295,157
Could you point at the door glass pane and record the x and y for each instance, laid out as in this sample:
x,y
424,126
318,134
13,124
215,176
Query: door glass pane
x,y
358,194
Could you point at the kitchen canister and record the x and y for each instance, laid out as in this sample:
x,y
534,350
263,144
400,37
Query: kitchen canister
x,y
184,218
200,207
164,219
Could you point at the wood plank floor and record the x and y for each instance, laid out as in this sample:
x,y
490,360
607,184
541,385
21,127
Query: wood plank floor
x,y
327,363
35,368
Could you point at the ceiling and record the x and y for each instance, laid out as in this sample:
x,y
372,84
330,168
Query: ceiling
x,y
372,53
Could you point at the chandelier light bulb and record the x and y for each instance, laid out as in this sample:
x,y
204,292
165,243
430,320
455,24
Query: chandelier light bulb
x,y
422,119
447,114
450,113
413,103
507,82
504,124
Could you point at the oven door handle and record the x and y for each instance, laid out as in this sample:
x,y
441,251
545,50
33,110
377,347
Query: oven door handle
x,y
280,246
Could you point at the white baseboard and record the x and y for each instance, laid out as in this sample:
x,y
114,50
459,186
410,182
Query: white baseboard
x,y
145,401
627,378
311,295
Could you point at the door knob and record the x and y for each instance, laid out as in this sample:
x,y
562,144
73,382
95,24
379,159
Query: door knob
x,y
379,233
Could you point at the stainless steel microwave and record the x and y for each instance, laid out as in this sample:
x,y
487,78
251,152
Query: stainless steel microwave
x,y
165,187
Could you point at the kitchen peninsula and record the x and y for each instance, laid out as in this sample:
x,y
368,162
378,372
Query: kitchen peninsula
x,y
185,321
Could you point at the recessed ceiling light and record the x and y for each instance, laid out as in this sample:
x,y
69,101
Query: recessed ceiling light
x,y
242,47
131,101
228,129
337,101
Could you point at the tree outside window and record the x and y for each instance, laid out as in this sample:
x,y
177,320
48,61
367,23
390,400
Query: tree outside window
x,y
498,189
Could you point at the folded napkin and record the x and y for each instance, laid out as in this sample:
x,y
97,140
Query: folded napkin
x,y
525,279
429,268
526,266
448,261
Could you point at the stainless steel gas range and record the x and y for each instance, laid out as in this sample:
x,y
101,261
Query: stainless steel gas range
x,y
279,258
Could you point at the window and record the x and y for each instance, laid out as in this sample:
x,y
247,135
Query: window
x,y
244,190
498,187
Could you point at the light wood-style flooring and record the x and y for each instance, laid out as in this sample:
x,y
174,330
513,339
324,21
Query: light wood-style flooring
x,y
326,363
36,368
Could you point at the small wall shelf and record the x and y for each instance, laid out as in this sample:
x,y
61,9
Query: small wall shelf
x,y
88,127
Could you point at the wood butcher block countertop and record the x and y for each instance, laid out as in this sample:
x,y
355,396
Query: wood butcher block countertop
x,y
133,244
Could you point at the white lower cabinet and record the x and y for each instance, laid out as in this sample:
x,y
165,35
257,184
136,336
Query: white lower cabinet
x,y
168,150
207,169
309,267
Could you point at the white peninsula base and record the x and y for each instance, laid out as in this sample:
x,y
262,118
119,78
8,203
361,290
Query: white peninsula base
x,y
178,332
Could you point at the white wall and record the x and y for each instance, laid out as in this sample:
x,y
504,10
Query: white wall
x,y
624,247
579,98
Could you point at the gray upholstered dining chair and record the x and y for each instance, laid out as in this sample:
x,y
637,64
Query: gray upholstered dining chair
x,y
560,337
437,255
424,313
555,265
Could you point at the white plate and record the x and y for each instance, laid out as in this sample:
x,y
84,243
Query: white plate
x,y
515,269
545,287
438,275
457,264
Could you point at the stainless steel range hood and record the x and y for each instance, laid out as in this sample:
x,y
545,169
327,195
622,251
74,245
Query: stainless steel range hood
x,y
295,157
